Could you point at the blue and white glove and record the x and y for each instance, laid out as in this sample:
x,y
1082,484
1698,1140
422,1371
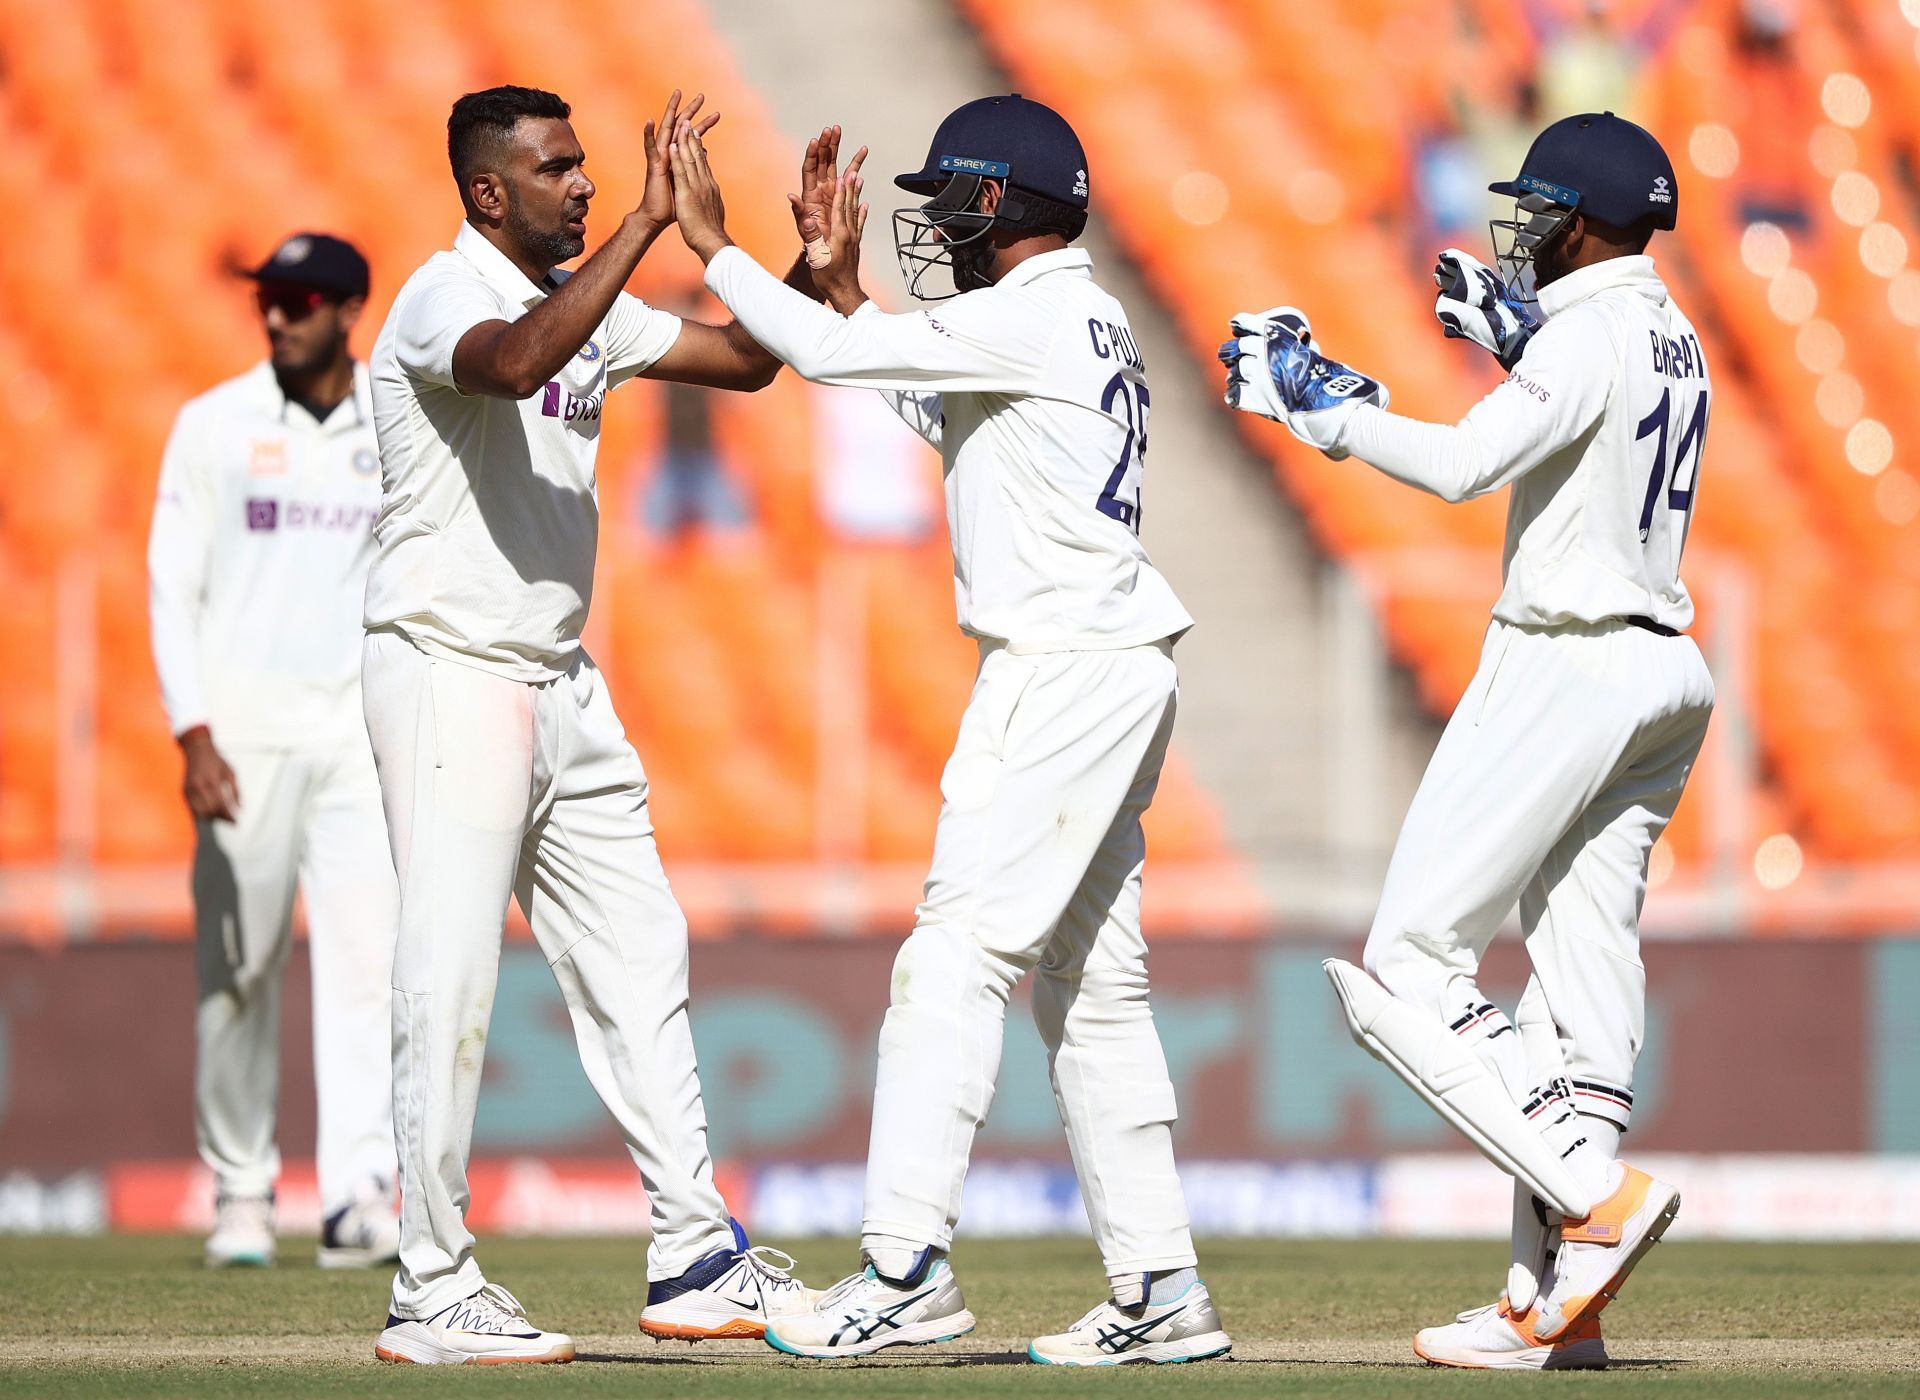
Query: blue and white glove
x,y
1273,370
1473,305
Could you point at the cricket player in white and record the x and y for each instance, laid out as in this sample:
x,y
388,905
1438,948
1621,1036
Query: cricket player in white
x,y
504,769
261,539
1031,385
1569,752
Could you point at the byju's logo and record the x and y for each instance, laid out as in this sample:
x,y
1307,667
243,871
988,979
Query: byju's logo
x,y
1662,191
263,515
556,402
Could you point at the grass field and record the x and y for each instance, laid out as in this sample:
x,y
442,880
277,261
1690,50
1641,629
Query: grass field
x,y
140,1317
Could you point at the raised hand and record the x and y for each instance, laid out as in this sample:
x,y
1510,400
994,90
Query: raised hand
x,y
1473,305
701,212
656,203
837,274
819,179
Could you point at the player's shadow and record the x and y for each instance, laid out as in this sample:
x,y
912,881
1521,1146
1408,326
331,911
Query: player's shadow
x,y
670,1358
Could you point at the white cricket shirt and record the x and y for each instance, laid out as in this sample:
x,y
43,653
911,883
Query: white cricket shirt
x,y
257,560
1035,392
490,517
1600,430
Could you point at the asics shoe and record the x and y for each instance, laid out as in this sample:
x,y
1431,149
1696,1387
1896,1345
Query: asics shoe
x,y
242,1232
360,1235
1184,1328
731,1293
865,1312
1598,1251
488,1329
1496,1338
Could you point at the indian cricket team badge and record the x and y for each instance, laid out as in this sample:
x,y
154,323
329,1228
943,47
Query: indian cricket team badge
x,y
365,461
590,352
267,457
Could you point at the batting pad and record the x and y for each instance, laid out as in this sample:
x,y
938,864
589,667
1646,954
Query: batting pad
x,y
1455,1082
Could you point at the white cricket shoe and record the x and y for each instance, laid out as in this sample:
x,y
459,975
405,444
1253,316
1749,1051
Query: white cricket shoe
x,y
1185,1328
1496,1338
360,1235
488,1329
731,1293
242,1233
864,1312
1598,1251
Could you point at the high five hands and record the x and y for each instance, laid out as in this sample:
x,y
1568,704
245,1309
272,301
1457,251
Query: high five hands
x,y
656,202
827,213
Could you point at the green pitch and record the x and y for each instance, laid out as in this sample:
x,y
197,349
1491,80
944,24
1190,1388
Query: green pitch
x,y
140,1317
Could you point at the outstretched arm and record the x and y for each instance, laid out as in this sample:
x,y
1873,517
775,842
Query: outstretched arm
x,y
1549,403
866,348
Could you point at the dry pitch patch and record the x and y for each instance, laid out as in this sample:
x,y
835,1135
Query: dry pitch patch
x,y
138,1316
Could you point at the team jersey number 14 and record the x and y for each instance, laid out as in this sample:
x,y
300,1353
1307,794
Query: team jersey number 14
x,y
1678,472
1121,498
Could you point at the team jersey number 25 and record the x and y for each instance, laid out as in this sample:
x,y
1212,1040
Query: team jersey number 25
x,y
1121,498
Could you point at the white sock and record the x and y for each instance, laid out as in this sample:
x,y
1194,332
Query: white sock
x,y
895,1259
1606,1133
1570,1135
1135,1290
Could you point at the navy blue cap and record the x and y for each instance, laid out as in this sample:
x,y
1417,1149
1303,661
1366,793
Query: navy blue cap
x,y
1010,138
317,260
1601,165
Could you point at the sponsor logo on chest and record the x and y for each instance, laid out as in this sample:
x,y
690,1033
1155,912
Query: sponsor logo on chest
x,y
267,513
557,402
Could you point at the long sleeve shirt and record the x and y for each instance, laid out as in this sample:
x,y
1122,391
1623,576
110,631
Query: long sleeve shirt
x,y
1599,431
1035,392
257,559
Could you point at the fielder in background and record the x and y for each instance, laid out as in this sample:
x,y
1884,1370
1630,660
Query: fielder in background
x,y
1032,387
262,536
504,769
1569,752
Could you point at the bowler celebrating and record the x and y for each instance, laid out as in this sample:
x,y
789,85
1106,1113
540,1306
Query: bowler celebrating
x,y
1032,386
1569,752
504,769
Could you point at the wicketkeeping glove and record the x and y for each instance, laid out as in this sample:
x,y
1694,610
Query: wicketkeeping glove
x,y
1273,370
1473,305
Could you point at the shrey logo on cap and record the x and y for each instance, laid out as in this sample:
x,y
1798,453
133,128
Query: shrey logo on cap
x,y
294,250
1662,192
972,165
1080,183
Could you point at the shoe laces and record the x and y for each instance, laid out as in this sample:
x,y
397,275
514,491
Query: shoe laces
x,y
866,1281
494,1301
1093,1314
761,1259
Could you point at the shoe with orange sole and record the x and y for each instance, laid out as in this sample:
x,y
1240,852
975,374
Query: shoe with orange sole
x,y
732,1293
1494,1338
1598,1251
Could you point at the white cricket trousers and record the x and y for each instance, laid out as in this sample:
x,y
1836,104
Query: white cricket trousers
x,y
1036,866
498,789
1559,770
310,816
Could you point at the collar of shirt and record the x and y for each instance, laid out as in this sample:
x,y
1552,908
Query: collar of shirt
x,y
1636,272
272,400
496,268
1040,264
